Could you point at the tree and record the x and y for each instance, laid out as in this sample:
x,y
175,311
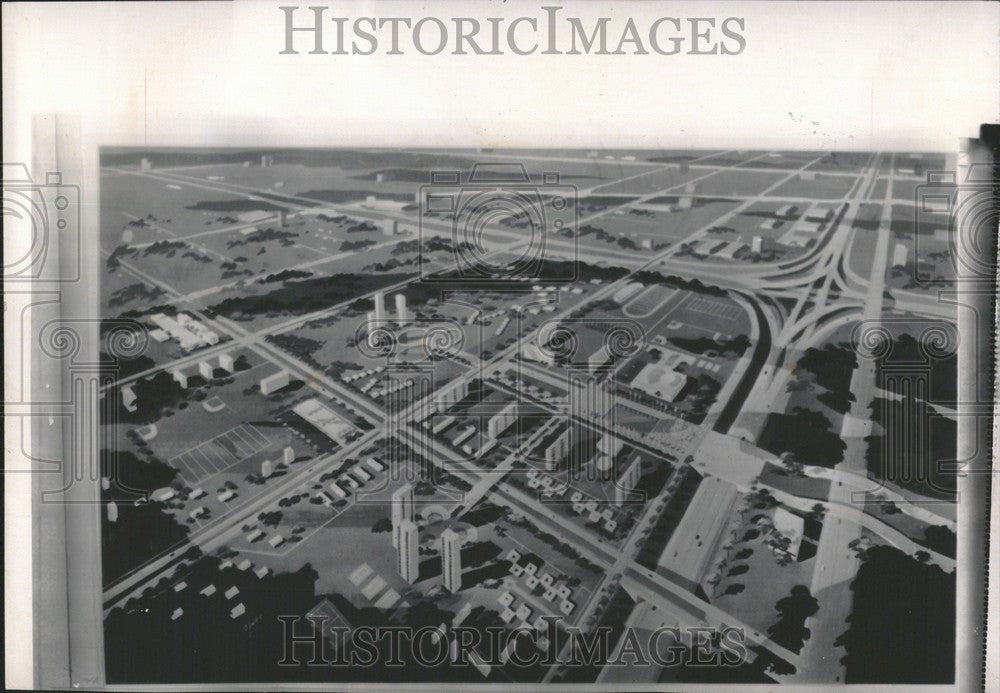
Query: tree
x,y
714,582
792,466
793,611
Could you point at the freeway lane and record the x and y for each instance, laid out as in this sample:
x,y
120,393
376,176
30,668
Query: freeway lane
x,y
761,352
836,564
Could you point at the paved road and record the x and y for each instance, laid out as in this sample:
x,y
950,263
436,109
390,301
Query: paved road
x,y
836,563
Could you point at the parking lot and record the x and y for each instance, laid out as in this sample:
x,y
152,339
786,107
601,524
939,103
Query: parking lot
x,y
219,453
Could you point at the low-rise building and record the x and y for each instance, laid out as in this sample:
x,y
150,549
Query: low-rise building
x,y
180,378
900,253
205,370
129,398
226,363
274,382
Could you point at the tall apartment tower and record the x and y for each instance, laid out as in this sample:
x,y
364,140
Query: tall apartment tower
x,y
500,422
402,316
451,560
402,509
628,481
379,307
407,551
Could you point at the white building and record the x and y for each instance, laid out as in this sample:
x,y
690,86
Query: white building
x,y
288,455
685,201
379,299
451,395
451,560
266,468
226,363
808,227
557,451
179,377
729,250
628,481
323,418
112,512
659,381
164,494
129,398
275,382
402,316
819,213
205,370
899,255
501,421
360,474
792,527
610,445
401,509
189,333
407,551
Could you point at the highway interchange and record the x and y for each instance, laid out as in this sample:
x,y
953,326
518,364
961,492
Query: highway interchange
x,y
792,305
